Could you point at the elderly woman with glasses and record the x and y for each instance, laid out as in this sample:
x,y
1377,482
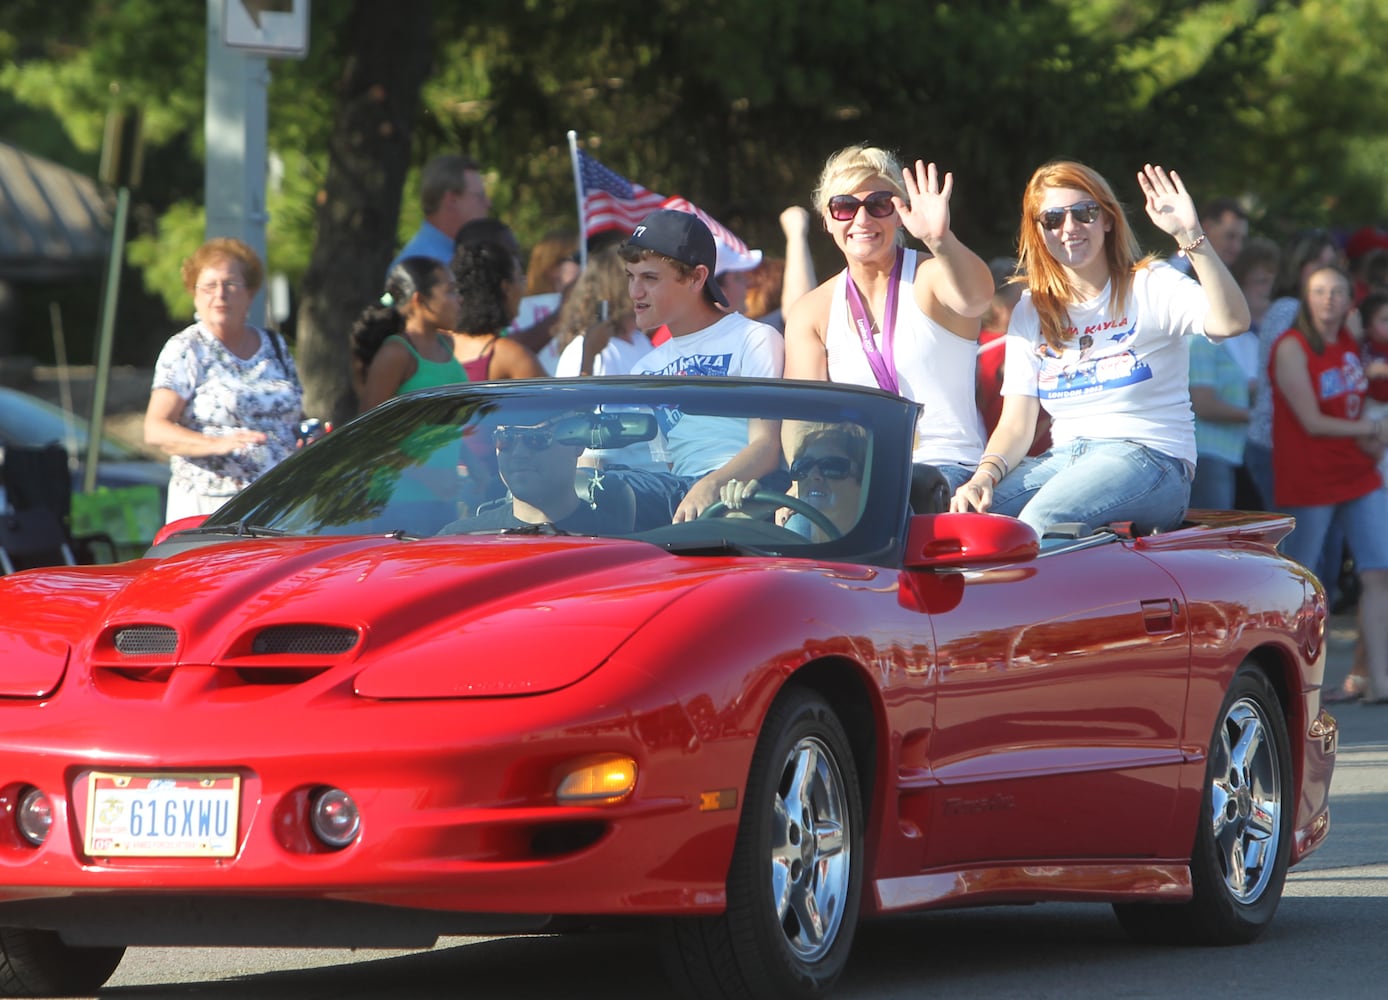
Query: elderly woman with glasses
x,y
897,318
1098,339
226,402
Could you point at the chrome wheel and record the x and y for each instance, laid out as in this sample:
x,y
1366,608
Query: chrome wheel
x,y
1246,801
795,880
811,856
1243,835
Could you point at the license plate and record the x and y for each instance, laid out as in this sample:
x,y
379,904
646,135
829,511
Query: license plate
x,y
153,815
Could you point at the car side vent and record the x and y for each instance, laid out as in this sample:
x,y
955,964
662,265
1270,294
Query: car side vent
x,y
304,640
146,640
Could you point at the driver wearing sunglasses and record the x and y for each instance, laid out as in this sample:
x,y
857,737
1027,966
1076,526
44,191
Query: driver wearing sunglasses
x,y
537,458
894,318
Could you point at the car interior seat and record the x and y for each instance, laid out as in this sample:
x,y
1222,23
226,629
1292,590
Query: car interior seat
x,y
930,492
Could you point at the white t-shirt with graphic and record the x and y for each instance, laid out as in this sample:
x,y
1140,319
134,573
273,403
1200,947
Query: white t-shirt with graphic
x,y
733,346
1121,376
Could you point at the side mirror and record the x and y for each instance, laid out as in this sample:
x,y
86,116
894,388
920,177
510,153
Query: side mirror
x,y
961,540
174,527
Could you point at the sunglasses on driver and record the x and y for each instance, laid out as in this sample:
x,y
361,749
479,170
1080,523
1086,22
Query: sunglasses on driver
x,y
830,467
534,438
843,207
1083,211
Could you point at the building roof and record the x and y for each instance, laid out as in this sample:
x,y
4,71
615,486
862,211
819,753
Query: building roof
x,y
54,222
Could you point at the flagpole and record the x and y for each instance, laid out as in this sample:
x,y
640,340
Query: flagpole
x,y
578,193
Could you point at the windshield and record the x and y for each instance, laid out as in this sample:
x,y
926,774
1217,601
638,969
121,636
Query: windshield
x,y
823,468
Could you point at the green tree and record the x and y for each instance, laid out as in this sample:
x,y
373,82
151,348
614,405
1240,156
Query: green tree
x,y
734,105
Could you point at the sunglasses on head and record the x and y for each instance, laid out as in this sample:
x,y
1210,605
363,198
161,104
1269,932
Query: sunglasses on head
x,y
534,438
830,467
843,207
1083,211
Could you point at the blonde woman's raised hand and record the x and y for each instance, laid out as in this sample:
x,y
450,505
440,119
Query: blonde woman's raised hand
x,y
926,212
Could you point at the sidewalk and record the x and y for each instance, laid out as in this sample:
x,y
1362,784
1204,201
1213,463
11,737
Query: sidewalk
x,y
1359,724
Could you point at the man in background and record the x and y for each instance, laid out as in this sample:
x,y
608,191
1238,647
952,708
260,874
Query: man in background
x,y
452,193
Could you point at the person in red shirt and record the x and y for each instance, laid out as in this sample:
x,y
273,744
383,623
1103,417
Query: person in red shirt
x,y
1325,454
988,373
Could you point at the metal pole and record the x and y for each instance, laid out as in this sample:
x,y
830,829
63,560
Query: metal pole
x,y
108,328
578,191
235,122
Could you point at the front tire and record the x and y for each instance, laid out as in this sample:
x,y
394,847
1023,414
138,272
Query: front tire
x,y
795,882
1243,842
37,963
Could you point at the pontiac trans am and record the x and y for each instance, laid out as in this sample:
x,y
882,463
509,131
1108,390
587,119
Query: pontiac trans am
x,y
376,698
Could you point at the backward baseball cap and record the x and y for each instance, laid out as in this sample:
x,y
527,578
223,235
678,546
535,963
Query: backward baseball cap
x,y
682,237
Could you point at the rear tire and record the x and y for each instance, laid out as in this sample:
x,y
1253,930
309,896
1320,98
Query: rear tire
x,y
36,963
795,882
1243,842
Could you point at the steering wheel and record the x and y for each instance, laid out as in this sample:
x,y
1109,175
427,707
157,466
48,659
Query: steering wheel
x,y
816,516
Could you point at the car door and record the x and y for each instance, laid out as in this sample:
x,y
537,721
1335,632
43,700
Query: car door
x,y
1060,688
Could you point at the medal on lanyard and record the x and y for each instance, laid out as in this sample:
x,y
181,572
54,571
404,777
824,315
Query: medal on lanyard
x,y
883,368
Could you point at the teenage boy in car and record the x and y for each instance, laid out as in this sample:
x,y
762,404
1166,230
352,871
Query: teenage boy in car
x,y
670,260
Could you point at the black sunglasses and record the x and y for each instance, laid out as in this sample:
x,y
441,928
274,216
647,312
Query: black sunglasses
x,y
1083,211
843,207
534,438
830,467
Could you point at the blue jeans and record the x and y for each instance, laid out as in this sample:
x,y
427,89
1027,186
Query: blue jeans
x,y
1213,487
1257,459
659,494
1097,482
957,475
1365,525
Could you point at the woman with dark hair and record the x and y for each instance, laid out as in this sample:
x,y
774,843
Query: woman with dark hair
x,y
403,342
1306,253
490,283
1098,339
1325,454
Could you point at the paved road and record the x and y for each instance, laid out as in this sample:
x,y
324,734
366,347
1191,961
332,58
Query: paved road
x,y
1327,940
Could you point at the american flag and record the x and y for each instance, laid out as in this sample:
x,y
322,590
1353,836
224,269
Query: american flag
x,y
610,201
722,235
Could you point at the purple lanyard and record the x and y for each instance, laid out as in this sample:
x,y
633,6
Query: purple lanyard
x,y
883,368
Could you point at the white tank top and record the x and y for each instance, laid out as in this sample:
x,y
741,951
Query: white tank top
x,y
934,368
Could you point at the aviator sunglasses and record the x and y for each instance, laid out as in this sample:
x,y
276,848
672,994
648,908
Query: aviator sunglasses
x,y
1083,211
843,207
830,467
534,438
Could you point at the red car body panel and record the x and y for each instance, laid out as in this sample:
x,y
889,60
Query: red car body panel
x,y
1027,730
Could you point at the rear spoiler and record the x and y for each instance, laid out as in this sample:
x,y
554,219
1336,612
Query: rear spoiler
x,y
1221,527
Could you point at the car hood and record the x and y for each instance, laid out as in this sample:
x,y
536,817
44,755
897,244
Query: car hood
x,y
456,617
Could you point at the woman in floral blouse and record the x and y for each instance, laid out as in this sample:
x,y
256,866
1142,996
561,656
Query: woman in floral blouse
x,y
226,400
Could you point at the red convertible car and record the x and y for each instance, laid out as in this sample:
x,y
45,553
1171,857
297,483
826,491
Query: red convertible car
x,y
454,670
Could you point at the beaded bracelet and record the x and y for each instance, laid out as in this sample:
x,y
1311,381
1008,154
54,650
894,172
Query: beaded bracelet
x,y
1199,242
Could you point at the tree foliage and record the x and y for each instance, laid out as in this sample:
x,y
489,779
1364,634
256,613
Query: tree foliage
x,y
736,105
